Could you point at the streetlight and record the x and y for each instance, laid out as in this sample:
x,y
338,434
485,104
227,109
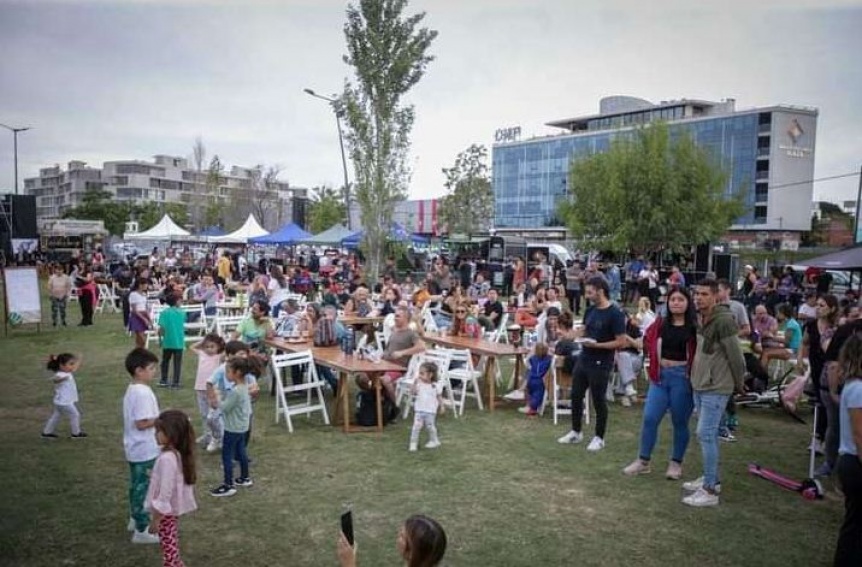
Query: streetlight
x,y
15,144
336,108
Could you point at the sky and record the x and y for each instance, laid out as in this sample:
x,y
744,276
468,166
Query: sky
x,y
101,80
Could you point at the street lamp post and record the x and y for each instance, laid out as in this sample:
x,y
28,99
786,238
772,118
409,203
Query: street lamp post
x,y
338,112
15,145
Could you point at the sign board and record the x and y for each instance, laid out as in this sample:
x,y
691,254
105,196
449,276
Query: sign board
x,y
511,134
22,294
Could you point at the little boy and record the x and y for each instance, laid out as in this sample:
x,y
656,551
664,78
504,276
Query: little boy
x,y
217,388
172,331
140,410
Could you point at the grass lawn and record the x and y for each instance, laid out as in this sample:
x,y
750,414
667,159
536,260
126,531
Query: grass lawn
x,y
502,487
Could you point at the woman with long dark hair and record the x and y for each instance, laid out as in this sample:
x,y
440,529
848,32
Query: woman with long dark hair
x,y
671,342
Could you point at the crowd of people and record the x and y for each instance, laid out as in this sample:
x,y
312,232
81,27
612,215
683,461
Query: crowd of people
x,y
703,346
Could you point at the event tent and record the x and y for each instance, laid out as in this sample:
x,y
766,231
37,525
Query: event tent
x,y
250,229
396,232
165,229
332,235
290,233
211,231
848,259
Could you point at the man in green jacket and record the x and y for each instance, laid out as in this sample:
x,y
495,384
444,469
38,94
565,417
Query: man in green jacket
x,y
717,373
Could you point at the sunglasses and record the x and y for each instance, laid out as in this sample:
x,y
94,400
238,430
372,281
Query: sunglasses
x,y
460,312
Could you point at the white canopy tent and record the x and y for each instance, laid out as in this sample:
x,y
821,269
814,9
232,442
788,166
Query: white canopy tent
x,y
165,229
250,229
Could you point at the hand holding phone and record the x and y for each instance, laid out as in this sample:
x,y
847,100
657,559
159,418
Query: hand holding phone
x,y
347,526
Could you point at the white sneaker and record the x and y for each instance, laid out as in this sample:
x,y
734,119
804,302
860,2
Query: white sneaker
x,y
596,445
523,409
626,401
515,396
701,498
630,391
213,446
144,537
203,439
571,437
131,525
413,447
697,484
432,444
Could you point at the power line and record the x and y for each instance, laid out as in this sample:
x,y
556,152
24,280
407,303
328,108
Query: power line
x,y
829,178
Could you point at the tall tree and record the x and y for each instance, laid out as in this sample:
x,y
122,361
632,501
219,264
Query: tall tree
x,y
649,192
98,204
150,213
468,206
214,209
326,207
197,199
257,195
388,53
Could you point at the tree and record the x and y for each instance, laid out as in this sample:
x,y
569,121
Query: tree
x,y
468,206
327,207
150,213
213,210
198,201
648,193
98,204
388,54
257,195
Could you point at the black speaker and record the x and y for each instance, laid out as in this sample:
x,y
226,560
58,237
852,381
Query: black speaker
x,y
721,265
19,215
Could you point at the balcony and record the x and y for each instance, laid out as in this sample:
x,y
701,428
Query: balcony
x,y
763,152
762,176
764,128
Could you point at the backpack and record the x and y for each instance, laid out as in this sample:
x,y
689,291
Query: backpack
x,y
366,413
324,333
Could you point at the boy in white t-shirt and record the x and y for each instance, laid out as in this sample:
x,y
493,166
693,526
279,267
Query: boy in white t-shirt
x,y
140,410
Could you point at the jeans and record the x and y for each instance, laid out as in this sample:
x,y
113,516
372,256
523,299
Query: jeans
x,y
595,377
177,355
574,296
849,550
673,392
325,373
233,445
58,310
710,407
628,364
139,483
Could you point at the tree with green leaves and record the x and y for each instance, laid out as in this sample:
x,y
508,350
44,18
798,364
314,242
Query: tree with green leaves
x,y
214,208
325,208
98,204
150,213
468,206
388,52
649,192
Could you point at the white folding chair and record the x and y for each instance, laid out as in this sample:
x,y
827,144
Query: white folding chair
x,y
442,358
380,339
226,324
464,379
429,323
74,294
562,402
107,299
404,385
311,384
197,327
152,334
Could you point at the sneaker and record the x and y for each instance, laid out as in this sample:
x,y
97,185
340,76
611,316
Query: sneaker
x,y
823,470
223,490
626,401
49,436
816,446
213,446
701,498
203,439
144,537
596,445
571,437
637,467
515,396
531,412
244,482
163,384
131,525
432,444
79,435
630,391
674,471
524,409
727,437
413,448
697,484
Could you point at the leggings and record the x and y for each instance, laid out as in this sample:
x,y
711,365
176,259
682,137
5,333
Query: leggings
x,y
595,377
74,418
169,539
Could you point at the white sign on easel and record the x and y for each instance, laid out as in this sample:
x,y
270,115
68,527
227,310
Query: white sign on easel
x,y
22,295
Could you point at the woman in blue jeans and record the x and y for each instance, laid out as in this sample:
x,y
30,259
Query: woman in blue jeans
x,y
671,343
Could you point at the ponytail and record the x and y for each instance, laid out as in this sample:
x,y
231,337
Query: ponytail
x,y
57,361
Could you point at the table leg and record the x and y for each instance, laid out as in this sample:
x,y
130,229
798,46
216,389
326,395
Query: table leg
x,y
519,360
379,403
491,381
344,386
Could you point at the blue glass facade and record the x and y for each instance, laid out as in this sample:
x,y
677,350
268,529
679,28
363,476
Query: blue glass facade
x,y
530,177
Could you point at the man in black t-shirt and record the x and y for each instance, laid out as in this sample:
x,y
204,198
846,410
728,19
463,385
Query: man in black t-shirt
x,y
493,311
604,332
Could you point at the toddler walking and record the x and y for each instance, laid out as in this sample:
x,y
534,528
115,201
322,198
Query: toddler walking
x,y
209,351
236,412
427,402
65,395
539,364
171,492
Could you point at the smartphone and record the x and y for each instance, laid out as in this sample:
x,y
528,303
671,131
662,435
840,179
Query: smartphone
x,y
347,526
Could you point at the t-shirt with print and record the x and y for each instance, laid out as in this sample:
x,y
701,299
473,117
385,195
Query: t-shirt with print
x,y
851,398
602,325
139,403
172,321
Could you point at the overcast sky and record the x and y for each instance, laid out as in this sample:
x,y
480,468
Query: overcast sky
x,y
100,80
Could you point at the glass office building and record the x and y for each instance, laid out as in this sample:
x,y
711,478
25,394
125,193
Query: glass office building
x,y
763,151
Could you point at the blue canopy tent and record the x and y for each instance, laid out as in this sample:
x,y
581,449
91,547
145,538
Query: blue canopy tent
x,y
288,234
396,232
212,231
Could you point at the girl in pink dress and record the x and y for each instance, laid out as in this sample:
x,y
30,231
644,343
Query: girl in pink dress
x,y
171,492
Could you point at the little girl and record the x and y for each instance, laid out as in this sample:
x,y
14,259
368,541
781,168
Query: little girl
x,y
209,351
236,412
539,365
171,491
65,395
421,543
427,402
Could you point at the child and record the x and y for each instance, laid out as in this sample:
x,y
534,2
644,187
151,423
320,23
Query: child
x,y
427,402
65,395
539,365
218,387
421,542
171,492
140,410
209,351
236,411
172,331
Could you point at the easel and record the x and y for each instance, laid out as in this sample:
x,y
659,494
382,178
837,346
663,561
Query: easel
x,y
4,271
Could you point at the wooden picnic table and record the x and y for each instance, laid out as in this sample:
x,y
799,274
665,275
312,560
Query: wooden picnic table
x,y
357,321
482,347
346,366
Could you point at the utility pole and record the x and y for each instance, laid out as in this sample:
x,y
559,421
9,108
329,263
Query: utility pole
x,y
15,145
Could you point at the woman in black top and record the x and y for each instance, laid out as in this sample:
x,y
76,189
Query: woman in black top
x,y
816,338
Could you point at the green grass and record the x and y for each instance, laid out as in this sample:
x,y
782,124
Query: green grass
x,y
502,487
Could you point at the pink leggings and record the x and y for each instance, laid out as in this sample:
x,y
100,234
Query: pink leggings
x,y
169,537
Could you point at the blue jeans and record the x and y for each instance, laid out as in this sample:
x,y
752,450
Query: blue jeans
x,y
233,446
710,407
673,391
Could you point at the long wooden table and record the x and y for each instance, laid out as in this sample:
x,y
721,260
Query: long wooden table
x,y
346,366
357,321
482,347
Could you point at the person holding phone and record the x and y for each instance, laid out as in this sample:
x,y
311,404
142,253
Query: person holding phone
x,y
421,542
